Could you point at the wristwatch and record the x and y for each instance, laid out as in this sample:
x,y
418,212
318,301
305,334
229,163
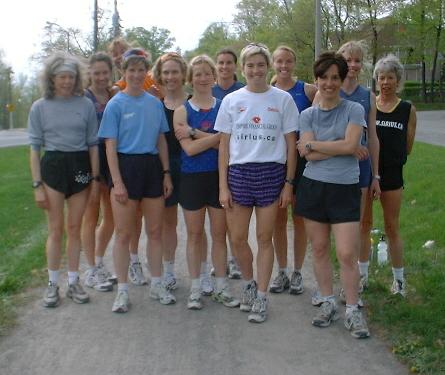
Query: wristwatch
x,y
96,178
289,181
308,146
36,184
192,133
377,177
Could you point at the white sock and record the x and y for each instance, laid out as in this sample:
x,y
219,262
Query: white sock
x,y
73,277
247,282
134,258
232,258
363,267
261,295
169,266
284,269
220,283
53,276
196,284
204,268
99,260
122,287
351,308
297,270
398,273
155,281
330,298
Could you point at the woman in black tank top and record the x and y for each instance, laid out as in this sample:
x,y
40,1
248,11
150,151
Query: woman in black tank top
x,y
396,128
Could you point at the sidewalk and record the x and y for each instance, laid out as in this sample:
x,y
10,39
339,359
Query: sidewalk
x,y
154,339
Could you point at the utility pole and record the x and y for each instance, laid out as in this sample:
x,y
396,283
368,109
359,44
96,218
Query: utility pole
x,y
10,107
95,26
317,28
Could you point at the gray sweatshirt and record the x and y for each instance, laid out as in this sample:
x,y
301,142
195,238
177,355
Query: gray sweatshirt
x,y
63,124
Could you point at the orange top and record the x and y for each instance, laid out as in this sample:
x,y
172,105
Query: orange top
x,y
149,85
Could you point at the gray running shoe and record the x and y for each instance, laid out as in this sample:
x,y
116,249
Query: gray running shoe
x,y
342,297
162,294
316,299
77,293
51,297
398,287
296,283
194,301
234,270
226,298
136,274
356,324
97,280
258,313
280,283
102,269
248,296
121,303
326,314
206,284
170,281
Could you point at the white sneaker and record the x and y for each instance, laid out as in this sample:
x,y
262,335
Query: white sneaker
x,y
206,284
170,281
162,294
122,302
102,269
97,280
225,297
194,301
356,324
135,274
398,287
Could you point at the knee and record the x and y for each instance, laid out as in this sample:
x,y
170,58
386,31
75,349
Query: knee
x,y
320,250
123,236
195,235
73,229
392,228
264,240
55,233
348,261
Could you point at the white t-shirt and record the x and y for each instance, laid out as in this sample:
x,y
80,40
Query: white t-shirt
x,y
257,123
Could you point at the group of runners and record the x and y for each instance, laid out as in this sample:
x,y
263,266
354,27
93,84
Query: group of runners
x,y
139,147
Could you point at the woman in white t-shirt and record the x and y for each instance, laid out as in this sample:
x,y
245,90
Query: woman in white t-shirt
x,y
257,125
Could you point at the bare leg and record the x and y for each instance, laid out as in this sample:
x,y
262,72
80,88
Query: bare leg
x,y
238,219
55,218
106,227
134,240
280,237
365,225
391,202
347,240
194,221
88,231
76,208
318,234
300,242
265,223
219,246
169,235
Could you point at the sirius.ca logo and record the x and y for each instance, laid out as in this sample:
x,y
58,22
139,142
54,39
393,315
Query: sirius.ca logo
x,y
256,119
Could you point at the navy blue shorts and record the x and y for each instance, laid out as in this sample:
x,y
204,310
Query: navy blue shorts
x,y
365,173
104,171
142,175
328,203
256,184
198,190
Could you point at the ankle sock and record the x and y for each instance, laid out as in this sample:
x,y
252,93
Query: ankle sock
x,y
53,276
363,268
134,258
73,277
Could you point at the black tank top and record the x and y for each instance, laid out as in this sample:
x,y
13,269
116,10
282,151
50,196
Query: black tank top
x,y
392,131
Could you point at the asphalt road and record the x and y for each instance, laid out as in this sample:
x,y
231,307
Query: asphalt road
x,y
155,339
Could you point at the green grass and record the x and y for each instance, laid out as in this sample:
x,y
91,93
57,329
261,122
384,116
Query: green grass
x,y
22,232
420,106
415,326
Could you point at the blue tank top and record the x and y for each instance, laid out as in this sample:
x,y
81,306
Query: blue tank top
x,y
203,120
299,96
362,96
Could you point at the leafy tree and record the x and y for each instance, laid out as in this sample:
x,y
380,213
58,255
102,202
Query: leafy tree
x,y
156,40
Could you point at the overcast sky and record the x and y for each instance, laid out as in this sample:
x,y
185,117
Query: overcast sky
x,y
21,26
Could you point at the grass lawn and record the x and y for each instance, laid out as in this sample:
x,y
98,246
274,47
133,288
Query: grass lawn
x,y
22,232
415,326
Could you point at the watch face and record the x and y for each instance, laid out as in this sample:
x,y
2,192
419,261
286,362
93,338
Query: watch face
x,y
36,184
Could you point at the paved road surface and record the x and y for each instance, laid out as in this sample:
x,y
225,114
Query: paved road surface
x,y
153,339
16,137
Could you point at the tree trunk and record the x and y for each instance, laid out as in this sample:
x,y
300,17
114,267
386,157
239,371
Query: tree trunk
x,y
372,20
422,58
436,49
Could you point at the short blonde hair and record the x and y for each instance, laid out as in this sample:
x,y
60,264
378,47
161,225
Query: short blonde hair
x,y
169,56
353,48
283,48
198,60
255,49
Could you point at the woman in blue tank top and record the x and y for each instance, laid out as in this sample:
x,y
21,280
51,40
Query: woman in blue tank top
x,y
284,60
368,154
199,189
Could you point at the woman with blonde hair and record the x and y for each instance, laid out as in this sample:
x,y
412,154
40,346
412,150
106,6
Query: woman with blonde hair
x,y
70,162
257,125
